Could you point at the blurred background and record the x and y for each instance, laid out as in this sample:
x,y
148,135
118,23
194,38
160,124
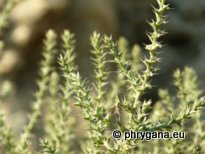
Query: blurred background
x,y
30,19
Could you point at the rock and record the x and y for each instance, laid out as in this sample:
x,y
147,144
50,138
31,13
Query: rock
x,y
21,35
9,62
29,11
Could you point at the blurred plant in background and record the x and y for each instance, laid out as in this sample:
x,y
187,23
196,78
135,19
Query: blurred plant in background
x,y
114,101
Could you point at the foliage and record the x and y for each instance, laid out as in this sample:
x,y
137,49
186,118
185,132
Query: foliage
x,y
114,101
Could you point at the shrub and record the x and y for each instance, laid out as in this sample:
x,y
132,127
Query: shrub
x,y
114,102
